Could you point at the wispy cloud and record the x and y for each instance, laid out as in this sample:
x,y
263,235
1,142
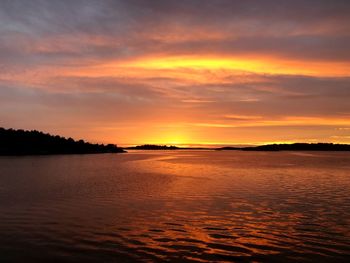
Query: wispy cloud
x,y
211,70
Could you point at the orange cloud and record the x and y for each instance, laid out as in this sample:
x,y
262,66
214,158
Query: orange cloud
x,y
170,72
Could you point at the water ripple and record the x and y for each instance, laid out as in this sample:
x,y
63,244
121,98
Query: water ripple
x,y
195,206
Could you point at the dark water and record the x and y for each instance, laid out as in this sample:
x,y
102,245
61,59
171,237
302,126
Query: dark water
x,y
182,206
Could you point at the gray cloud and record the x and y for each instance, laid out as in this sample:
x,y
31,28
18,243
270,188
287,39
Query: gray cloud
x,y
49,32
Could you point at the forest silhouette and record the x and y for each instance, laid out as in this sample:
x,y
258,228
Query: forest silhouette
x,y
20,142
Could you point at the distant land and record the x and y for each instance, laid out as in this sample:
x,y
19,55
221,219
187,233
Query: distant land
x,y
20,142
165,147
154,147
293,147
269,147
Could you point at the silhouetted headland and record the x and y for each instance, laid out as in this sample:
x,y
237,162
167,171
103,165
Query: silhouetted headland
x,y
20,142
154,147
294,147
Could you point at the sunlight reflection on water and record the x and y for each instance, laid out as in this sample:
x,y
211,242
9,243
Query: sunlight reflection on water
x,y
176,206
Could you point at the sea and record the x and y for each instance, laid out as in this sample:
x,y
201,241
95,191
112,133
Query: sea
x,y
176,206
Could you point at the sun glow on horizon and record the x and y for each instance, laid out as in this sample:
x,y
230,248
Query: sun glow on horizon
x,y
177,73
169,138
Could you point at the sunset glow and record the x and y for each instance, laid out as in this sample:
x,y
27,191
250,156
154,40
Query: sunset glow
x,y
170,73
174,131
267,66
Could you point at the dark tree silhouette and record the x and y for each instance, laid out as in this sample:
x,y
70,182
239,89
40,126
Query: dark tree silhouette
x,y
20,142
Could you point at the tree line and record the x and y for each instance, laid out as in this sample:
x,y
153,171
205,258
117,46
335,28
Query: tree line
x,y
21,142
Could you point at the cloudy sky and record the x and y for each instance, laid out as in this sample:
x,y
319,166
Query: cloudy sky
x,y
185,72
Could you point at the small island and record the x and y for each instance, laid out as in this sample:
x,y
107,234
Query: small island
x,y
154,147
21,142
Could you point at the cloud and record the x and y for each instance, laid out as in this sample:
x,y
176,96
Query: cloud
x,y
46,32
150,65
241,98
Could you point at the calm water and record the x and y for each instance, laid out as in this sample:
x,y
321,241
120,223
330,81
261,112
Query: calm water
x,y
182,206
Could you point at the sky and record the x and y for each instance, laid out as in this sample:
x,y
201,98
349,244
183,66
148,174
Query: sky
x,y
188,72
